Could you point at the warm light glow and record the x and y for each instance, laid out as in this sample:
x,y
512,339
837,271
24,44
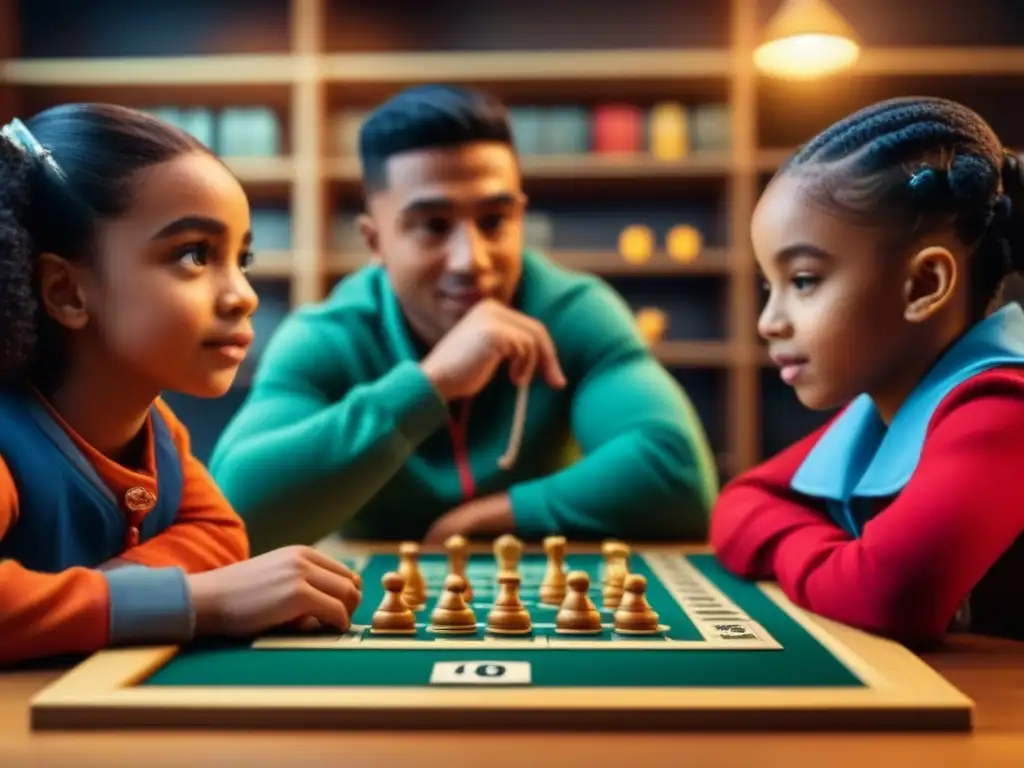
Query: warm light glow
x,y
806,39
808,56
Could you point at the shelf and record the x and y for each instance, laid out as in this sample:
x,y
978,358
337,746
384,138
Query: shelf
x,y
711,261
272,265
588,167
770,160
695,354
262,170
939,61
596,166
228,69
524,65
531,67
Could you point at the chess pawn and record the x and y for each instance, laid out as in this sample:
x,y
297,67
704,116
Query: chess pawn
x,y
507,552
393,617
415,593
509,616
552,588
452,614
458,559
578,615
634,615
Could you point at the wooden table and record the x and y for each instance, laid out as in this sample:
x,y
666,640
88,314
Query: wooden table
x,y
989,671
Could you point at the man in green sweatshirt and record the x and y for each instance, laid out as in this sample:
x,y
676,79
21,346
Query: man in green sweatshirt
x,y
388,411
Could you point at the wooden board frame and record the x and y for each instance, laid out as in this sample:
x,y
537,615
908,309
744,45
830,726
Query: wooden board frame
x,y
902,693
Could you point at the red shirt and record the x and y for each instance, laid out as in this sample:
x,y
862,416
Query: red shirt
x,y
925,548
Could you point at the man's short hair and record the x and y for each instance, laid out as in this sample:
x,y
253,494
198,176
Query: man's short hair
x,y
428,117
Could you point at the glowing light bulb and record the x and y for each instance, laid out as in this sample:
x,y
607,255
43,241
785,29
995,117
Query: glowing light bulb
x,y
806,39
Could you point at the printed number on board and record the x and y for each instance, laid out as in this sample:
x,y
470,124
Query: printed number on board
x,y
481,673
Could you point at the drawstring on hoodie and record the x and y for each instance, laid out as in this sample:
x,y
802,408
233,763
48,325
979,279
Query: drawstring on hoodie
x,y
518,422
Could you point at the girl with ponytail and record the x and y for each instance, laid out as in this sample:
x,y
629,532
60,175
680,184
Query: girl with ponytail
x,y
123,250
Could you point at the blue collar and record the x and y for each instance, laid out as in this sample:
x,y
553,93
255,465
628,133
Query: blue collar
x,y
858,457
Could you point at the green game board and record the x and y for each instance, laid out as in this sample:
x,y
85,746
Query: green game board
x,y
784,654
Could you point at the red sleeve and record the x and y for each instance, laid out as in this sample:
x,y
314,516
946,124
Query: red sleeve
x,y
916,560
758,508
47,614
208,533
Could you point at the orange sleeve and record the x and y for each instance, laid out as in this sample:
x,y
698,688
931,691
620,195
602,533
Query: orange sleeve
x,y
47,614
208,533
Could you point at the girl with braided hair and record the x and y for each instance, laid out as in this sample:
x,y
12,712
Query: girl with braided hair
x,y
123,250
883,244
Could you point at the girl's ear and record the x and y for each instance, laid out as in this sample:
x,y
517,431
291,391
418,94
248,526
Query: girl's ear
x,y
62,290
930,283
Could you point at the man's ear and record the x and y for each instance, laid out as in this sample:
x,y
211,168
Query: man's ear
x,y
370,233
63,294
930,282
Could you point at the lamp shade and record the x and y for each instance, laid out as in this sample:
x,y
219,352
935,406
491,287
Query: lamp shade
x,y
806,39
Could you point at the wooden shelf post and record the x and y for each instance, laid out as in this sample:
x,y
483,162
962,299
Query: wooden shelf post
x,y
308,201
743,400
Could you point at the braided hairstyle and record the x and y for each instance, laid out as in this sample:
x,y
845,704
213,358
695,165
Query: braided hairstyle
x,y
921,165
51,202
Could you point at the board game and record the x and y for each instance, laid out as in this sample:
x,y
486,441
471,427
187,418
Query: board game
x,y
526,637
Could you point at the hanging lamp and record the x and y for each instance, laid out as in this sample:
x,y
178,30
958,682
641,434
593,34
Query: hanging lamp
x,y
806,39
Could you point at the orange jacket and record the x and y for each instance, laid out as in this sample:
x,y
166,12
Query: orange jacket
x,y
45,614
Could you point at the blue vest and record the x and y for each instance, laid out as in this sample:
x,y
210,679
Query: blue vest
x,y
858,463
67,515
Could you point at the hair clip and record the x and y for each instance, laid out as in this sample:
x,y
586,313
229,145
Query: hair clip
x,y
924,182
21,137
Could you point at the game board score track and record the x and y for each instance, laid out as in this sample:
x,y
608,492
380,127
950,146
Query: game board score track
x,y
725,654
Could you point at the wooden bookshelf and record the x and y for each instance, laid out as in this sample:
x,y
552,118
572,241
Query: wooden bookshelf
x,y
307,75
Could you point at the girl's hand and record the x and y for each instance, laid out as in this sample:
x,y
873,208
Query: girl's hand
x,y
289,585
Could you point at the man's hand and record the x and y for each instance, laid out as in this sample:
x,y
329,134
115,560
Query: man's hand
x,y
489,516
465,360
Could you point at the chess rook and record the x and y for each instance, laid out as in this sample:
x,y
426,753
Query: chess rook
x,y
578,615
415,593
458,560
509,616
452,614
634,615
393,617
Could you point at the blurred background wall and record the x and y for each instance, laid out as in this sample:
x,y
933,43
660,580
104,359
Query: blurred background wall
x,y
646,128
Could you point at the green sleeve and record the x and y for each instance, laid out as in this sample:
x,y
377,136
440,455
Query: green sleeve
x,y
308,449
647,470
